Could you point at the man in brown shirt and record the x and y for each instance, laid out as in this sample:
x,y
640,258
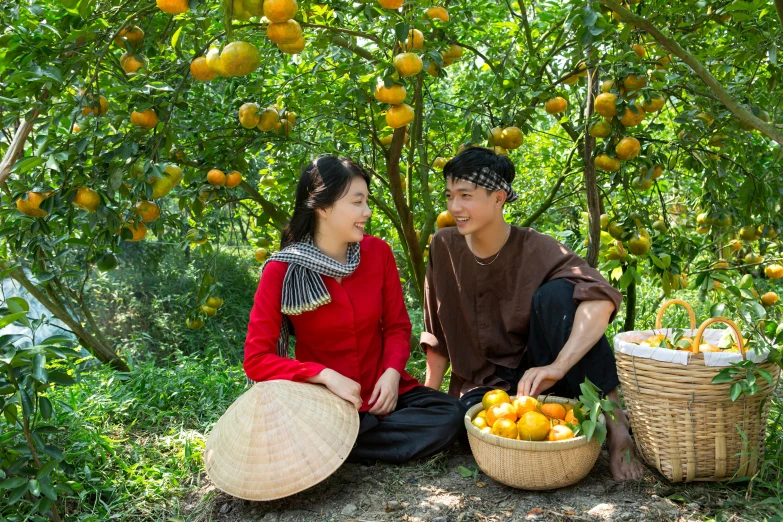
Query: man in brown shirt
x,y
510,308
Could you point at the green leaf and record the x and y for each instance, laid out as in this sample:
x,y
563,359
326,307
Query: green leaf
x,y
26,164
45,406
735,391
175,36
717,310
589,428
401,30
722,377
766,376
39,368
8,319
13,483
17,305
464,472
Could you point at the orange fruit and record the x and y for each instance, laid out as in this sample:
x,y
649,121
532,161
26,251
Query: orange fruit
x,y
500,150
607,163
570,418
494,135
133,34
30,205
451,54
201,71
607,85
139,231
663,62
391,4
504,410
242,58
655,104
174,173
774,271
399,115
445,220
505,428
482,413
632,119
292,48
439,162
415,40
634,82
769,299
560,433
511,138
627,148
554,410
95,108
283,127
433,70
216,178
494,397
86,199
145,119
480,422
173,6
604,105
408,64
233,179
640,51
148,211
284,32
533,426
393,95
248,115
130,63
555,105
437,12
267,119
161,186
279,10
524,404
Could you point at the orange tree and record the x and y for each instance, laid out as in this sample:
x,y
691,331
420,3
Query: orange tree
x,y
647,136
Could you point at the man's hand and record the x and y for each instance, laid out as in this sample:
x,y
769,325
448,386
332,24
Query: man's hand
x,y
384,395
536,380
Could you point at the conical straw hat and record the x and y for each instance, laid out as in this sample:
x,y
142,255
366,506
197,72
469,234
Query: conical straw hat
x,y
279,438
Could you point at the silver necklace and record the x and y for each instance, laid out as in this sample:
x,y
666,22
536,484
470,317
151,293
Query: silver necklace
x,y
508,234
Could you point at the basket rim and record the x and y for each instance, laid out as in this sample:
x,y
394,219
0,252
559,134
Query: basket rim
x,y
541,446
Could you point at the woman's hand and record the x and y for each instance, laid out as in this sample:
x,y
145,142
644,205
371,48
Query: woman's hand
x,y
345,388
384,395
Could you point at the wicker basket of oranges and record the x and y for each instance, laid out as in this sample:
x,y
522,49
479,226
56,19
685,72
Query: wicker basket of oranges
x,y
529,443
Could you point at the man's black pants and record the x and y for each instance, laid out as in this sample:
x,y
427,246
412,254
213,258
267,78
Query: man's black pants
x,y
425,422
551,320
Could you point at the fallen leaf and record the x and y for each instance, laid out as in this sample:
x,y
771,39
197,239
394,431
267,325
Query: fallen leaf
x,y
480,484
536,511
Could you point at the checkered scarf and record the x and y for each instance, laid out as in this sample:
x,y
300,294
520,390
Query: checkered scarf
x,y
490,180
303,287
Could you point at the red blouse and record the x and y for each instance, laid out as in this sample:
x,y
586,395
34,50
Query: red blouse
x,y
361,333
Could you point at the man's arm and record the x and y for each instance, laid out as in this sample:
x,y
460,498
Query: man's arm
x,y
437,365
590,322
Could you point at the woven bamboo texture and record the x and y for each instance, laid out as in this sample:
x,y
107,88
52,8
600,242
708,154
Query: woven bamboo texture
x,y
531,465
279,438
687,427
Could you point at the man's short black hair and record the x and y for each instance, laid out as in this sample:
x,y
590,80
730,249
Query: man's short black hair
x,y
473,159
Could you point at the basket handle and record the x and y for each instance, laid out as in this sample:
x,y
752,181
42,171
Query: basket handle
x,y
667,304
705,324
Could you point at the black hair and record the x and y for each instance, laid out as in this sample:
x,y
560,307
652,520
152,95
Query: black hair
x,y
322,182
473,159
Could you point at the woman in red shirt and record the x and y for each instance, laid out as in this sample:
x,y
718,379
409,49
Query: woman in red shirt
x,y
339,291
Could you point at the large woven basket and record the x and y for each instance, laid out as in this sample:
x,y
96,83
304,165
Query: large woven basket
x,y
684,425
531,465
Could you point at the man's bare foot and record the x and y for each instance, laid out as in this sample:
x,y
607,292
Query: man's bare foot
x,y
623,462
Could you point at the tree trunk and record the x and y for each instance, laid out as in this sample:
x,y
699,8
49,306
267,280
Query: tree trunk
x,y
591,184
630,307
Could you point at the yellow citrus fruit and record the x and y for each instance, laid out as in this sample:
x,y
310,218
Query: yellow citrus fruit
x,y
393,95
233,179
511,138
260,255
607,85
524,404
480,422
631,118
604,105
399,115
194,324
769,299
640,51
95,108
445,219
214,302
293,48
268,119
533,426
279,10
601,129
214,63
655,104
284,32
415,40
283,127
437,12
555,105
145,119
148,211
161,186
408,64
86,199
494,397
132,34
634,82
505,428
627,148
173,6
570,418
201,71
216,178
504,410
607,163
242,58
130,62
139,231
439,162
30,206
560,433
774,271
391,4
248,115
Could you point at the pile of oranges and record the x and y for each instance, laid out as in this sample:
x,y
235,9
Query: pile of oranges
x,y
525,418
685,343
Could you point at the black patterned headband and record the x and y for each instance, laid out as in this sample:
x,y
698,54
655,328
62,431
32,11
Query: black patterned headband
x,y
490,180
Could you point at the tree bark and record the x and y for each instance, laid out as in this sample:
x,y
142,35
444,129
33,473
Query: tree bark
x,y
743,114
630,307
591,184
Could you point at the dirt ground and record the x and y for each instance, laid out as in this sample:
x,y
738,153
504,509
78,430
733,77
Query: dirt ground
x,y
435,491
